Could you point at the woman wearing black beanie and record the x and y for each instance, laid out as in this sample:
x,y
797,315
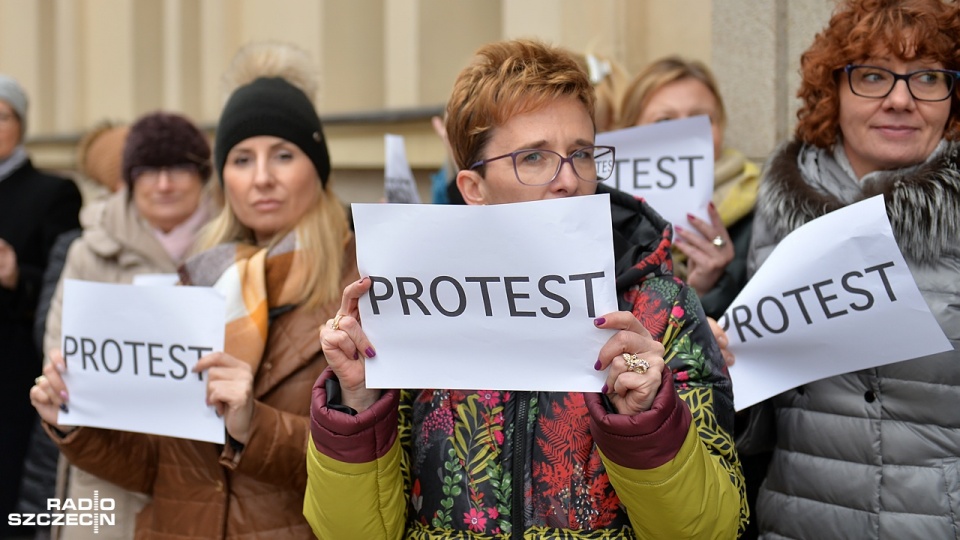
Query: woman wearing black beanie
x,y
280,252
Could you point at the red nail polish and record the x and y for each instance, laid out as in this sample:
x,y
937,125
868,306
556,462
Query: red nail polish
x,y
712,207
599,321
370,352
691,217
598,365
604,389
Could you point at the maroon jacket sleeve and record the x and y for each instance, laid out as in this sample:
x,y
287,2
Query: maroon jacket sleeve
x,y
353,439
645,440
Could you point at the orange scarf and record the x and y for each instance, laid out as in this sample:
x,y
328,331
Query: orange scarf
x,y
253,280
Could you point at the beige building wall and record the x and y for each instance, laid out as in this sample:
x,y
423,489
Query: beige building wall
x,y
387,65
755,53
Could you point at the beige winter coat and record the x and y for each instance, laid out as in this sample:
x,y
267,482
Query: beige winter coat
x,y
116,245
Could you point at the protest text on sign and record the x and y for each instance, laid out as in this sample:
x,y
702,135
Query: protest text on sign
x,y
514,289
772,314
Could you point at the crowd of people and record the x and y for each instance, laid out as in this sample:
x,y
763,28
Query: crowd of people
x,y
658,452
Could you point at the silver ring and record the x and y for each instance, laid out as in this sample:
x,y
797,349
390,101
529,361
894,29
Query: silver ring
x,y
719,241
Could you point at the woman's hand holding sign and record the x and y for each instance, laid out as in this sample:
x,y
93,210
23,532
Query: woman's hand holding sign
x,y
707,255
346,348
635,362
230,391
49,392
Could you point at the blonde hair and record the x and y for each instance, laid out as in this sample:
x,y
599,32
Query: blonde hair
x,y
323,231
659,74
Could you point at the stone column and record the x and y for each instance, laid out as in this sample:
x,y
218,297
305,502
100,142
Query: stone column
x,y
756,48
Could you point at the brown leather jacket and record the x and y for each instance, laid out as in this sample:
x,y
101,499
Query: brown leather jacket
x,y
203,490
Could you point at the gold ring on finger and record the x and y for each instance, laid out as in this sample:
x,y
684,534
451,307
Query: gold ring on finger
x,y
335,324
719,242
38,379
635,363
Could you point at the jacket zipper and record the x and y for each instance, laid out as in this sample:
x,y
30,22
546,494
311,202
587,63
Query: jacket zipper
x,y
519,462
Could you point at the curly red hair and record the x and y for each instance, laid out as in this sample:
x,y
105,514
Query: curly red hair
x,y
928,29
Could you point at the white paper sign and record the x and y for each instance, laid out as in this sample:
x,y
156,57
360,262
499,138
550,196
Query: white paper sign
x,y
129,351
668,164
156,280
835,296
487,297
398,178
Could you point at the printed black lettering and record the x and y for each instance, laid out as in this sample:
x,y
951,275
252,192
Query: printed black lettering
x,y
461,295
564,305
724,322
845,283
588,289
87,349
818,288
673,177
374,297
200,352
512,296
785,321
173,357
483,281
883,276
109,343
70,347
745,323
803,307
690,159
134,347
406,297
154,358
637,173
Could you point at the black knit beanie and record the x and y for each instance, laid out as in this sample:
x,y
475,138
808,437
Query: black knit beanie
x,y
272,106
162,139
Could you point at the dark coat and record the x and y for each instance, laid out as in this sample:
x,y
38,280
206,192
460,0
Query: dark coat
x,y
35,208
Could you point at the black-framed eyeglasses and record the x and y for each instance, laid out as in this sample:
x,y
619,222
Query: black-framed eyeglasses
x,y
538,167
923,85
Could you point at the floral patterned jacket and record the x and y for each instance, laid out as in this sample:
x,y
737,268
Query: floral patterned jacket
x,y
490,464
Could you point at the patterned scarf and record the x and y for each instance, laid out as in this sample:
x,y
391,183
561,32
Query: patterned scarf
x,y
254,280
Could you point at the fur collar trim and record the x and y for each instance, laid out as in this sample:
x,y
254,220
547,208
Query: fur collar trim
x,y
923,204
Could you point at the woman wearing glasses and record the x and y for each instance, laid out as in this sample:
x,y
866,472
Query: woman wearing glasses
x,y
649,455
874,453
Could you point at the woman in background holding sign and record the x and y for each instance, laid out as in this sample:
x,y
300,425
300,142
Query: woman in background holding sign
x,y
147,228
714,264
872,454
629,460
280,252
